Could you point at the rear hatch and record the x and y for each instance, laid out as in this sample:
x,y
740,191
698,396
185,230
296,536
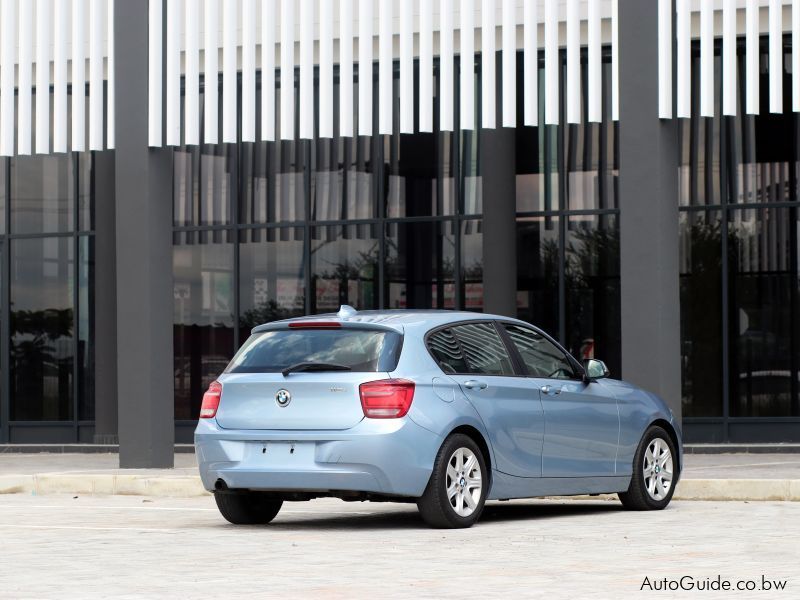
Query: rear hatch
x,y
260,390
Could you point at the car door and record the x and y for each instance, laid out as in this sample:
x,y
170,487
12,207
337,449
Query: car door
x,y
475,356
581,431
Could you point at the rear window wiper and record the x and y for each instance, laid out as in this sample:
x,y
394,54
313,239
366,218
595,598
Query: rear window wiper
x,y
313,366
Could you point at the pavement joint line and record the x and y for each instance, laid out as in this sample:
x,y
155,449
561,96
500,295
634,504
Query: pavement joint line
x,y
737,466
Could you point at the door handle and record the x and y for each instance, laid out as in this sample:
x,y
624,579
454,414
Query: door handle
x,y
474,384
550,390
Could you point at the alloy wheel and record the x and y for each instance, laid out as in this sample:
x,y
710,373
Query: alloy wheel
x,y
464,482
657,469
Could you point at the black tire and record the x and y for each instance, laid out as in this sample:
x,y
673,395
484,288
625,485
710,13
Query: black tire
x,y
434,504
247,508
637,497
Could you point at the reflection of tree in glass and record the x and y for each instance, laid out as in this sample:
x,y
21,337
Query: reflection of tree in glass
x,y
33,331
264,313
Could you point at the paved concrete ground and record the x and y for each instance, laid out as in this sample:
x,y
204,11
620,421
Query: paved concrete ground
x,y
103,547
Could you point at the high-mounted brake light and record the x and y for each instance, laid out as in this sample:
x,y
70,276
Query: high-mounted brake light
x,y
211,400
386,398
315,325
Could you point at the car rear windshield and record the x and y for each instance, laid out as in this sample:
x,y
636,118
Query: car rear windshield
x,y
361,350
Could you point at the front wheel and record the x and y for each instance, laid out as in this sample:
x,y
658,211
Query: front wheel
x,y
247,508
654,474
456,492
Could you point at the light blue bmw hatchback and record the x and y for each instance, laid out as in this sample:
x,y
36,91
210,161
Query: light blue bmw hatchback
x,y
444,409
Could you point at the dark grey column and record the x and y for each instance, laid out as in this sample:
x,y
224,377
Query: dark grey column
x,y
144,258
105,301
649,212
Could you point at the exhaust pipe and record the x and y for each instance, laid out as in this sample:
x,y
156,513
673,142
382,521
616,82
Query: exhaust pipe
x,y
220,486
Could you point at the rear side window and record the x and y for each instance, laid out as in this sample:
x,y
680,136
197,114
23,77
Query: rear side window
x,y
446,351
362,350
484,351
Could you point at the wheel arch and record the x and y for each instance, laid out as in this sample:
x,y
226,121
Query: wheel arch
x,y
667,426
476,436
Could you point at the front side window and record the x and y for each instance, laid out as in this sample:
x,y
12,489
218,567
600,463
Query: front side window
x,y
542,358
484,351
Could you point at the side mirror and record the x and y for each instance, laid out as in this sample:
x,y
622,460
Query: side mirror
x,y
595,369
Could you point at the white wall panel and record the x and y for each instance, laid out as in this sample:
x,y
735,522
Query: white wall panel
x,y
325,68
230,25
406,66
78,143
467,64
8,47
154,73
665,40
729,58
595,74
173,60
287,69
706,59
249,70
24,77
509,62
268,17
61,24
307,18
488,62
551,63
573,91
385,104
44,36
191,99
775,56
365,42
684,41
530,59
346,68
446,92
425,65
751,58
110,79
211,73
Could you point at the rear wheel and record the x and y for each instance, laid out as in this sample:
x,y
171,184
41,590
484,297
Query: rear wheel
x,y
456,492
654,474
247,508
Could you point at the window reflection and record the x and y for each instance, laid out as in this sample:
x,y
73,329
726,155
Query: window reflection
x,y
42,193
537,271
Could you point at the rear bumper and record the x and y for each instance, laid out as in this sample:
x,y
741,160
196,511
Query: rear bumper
x,y
383,456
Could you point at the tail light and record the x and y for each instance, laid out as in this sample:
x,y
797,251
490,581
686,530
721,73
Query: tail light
x,y
386,398
211,400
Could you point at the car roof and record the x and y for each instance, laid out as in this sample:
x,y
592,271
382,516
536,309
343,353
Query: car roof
x,y
398,319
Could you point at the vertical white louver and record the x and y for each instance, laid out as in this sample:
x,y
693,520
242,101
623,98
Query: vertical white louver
x,y
154,87
326,68
211,73
346,68
249,71
306,69
706,59
230,22
61,23
96,21
268,14
551,63
684,41
446,65
530,69
7,58
24,81
173,60
595,77
751,58
509,62
573,91
111,79
191,98
775,56
425,65
44,32
729,58
287,69
615,60
488,82
796,55
385,108
467,70
365,42
664,59
406,66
